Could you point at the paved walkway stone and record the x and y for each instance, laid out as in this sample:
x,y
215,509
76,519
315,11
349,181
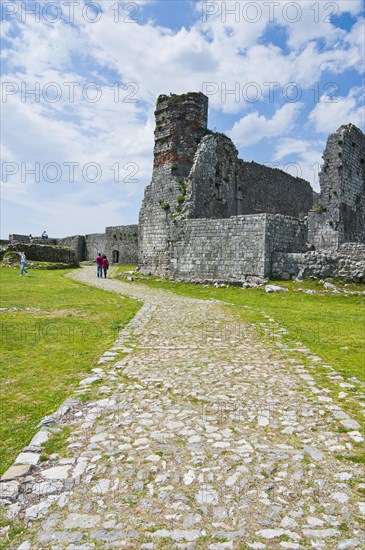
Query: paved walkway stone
x,y
200,437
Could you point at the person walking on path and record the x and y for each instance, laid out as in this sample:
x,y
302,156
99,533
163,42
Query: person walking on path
x,y
99,265
23,264
105,265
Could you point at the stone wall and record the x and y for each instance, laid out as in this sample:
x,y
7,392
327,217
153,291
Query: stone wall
x,y
221,185
270,190
232,248
122,244
321,232
220,249
355,251
156,222
19,238
95,243
212,186
46,253
318,265
283,234
119,243
77,243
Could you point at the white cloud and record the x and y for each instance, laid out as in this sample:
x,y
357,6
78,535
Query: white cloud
x,y
254,127
327,116
158,60
287,146
307,155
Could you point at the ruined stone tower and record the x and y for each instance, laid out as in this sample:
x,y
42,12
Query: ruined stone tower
x,y
340,214
181,122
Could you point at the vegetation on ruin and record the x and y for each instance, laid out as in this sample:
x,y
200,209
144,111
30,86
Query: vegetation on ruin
x,y
319,209
164,205
48,349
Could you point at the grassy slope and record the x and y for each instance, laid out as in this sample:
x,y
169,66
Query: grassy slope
x,y
46,353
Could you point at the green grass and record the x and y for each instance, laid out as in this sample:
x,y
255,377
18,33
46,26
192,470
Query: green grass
x,y
331,326
15,531
46,353
56,443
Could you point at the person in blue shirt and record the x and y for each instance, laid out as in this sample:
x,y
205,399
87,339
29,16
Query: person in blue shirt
x,y
23,264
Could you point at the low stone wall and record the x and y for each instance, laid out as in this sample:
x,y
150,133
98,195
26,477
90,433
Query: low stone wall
x,y
39,240
19,238
354,250
317,265
46,253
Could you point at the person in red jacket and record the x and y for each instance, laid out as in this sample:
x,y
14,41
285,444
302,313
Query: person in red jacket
x,y
105,265
99,265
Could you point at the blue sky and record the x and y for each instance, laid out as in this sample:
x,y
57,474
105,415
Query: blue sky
x,y
77,152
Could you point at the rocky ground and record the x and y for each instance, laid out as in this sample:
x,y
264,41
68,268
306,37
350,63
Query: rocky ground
x,y
201,436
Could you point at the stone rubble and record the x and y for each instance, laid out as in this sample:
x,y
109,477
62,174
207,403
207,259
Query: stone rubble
x,y
205,438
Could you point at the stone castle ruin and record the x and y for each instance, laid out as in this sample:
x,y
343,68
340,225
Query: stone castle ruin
x,y
208,215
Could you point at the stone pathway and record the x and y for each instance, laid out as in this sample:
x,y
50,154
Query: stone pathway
x,y
201,437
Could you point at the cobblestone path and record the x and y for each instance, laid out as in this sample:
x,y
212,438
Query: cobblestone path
x,y
200,436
